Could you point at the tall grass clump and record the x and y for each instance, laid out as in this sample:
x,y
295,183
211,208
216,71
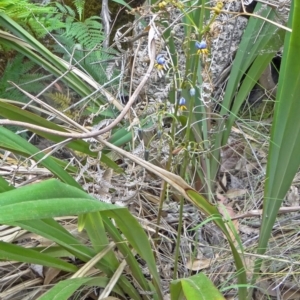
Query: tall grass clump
x,y
194,125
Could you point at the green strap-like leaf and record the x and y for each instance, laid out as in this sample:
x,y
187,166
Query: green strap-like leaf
x,y
283,158
64,289
13,112
18,253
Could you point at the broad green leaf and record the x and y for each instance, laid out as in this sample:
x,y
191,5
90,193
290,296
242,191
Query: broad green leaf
x,y
12,142
54,251
18,253
4,185
47,208
197,287
47,199
26,206
123,136
53,231
120,137
47,189
95,229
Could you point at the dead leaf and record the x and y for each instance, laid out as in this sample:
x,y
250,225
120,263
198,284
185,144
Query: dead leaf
x,y
234,193
231,155
200,264
50,274
249,265
248,230
293,196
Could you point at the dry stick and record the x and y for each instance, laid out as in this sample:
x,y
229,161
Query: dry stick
x,y
151,44
258,212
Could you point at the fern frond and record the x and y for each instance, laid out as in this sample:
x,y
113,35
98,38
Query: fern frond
x,y
59,100
43,25
67,42
65,10
86,59
35,18
22,9
19,71
87,33
79,4
62,8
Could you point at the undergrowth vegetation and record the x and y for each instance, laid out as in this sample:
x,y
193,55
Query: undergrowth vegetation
x,y
139,170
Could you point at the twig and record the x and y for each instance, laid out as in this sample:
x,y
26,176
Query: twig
x,y
258,212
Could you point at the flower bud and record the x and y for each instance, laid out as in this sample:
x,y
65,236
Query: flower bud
x,y
192,92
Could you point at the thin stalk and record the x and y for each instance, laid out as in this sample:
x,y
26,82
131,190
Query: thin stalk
x,y
172,97
162,196
185,164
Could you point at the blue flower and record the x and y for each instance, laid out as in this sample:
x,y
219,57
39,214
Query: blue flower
x,y
181,104
202,47
161,64
160,59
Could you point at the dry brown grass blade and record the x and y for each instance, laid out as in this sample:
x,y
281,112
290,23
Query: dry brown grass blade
x,y
200,264
93,261
176,181
50,275
20,287
113,281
